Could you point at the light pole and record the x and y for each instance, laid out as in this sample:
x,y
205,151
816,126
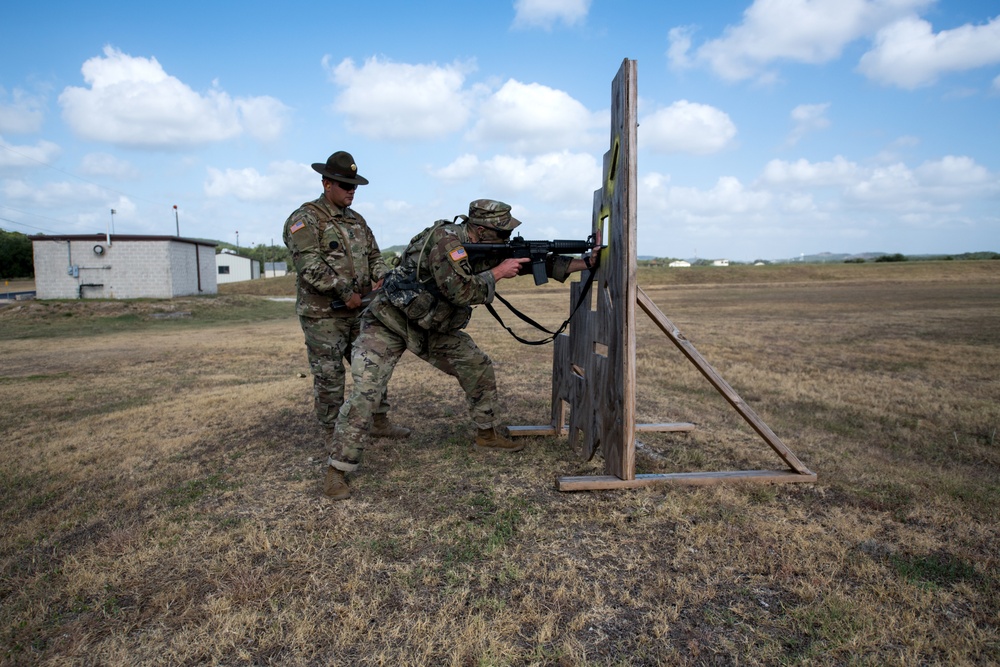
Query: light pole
x,y
237,240
177,221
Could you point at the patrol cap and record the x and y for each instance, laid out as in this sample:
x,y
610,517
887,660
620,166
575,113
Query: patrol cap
x,y
340,167
493,214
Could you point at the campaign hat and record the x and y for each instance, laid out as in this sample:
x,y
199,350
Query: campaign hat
x,y
340,167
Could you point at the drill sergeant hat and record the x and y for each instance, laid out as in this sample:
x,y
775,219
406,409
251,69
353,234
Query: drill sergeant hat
x,y
492,214
340,167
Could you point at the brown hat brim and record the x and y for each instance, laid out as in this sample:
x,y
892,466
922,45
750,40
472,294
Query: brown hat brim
x,y
357,179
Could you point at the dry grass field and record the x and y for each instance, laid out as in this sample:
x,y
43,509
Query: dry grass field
x,y
160,488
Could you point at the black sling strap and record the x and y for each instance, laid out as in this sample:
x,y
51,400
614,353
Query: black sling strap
x,y
525,318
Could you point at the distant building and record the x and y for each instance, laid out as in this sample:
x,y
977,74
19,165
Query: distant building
x,y
720,262
233,268
275,269
100,266
679,263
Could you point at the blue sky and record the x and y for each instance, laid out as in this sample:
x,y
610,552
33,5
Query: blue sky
x,y
767,129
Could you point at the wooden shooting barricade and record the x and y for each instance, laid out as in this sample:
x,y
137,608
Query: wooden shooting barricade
x,y
593,367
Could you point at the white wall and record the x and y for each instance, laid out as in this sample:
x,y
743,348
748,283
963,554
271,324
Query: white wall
x,y
193,269
130,267
235,268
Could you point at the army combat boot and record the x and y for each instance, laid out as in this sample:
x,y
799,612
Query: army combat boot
x,y
335,485
383,428
488,439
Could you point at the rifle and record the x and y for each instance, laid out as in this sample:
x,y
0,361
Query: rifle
x,y
365,300
536,251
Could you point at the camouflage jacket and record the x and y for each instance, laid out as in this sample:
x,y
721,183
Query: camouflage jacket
x,y
334,253
437,283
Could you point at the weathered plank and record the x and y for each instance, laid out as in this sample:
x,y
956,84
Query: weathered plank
x,y
608,482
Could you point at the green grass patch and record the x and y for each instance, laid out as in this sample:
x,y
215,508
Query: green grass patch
x,y
94,317
488,528
191,491
932,570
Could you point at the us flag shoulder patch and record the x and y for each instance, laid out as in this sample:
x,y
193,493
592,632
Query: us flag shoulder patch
x,y
458,254
297,226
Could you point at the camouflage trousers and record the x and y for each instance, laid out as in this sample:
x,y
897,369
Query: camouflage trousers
x,y
377,349
329,340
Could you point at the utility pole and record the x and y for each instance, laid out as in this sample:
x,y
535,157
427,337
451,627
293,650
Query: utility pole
x,y
112,229
177,221
237,240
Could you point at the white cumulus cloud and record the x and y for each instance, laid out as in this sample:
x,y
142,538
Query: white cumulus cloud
x,y
20,112
553,177
284,181
400,101
532,118
805,31
53,195
909,54
103,164
803,173
546,13
807,118
20,157
132,101
687,127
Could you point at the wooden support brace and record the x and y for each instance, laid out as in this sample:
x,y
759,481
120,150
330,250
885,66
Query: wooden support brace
x,y
685,346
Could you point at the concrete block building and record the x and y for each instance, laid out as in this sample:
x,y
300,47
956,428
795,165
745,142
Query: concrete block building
x,y
95,266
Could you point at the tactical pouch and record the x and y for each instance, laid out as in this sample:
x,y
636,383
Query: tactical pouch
x,y
459,319
418,307
445,317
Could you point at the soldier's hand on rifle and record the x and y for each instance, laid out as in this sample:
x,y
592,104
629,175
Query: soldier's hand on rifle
x,y
354,302
508,268
377,286
587,262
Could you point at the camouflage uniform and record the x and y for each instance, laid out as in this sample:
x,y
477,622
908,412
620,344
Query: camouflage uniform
x,y
423,306
335,255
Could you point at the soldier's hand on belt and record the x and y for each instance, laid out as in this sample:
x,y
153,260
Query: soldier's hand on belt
x,y
354,301
508,268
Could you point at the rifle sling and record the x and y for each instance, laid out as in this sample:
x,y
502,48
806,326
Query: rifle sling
x,y
525,318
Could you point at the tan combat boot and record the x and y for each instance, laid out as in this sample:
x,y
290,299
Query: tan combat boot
x,y
488,439
335,485
383,428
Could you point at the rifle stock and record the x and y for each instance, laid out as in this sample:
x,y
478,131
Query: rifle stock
x,y
536,251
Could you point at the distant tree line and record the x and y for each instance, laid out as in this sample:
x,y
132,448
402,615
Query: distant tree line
x,y
895,257
16,260
265,254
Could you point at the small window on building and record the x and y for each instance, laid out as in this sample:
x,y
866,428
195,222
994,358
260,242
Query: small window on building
x,y
223,270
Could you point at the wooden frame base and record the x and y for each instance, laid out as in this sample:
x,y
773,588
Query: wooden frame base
x,y
547,429
608,482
